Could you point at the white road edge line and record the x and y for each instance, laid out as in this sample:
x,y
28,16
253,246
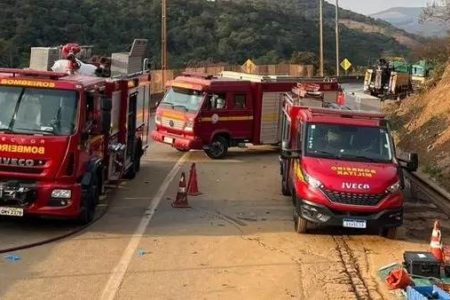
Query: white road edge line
x,y
118,274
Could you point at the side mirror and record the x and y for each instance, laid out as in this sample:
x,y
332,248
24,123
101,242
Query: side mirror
x,y
287,153
290,154
413,162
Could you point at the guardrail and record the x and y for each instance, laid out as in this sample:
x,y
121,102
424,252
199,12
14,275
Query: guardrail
x,y
419,184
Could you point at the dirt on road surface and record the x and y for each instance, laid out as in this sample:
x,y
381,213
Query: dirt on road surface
x,y
237,241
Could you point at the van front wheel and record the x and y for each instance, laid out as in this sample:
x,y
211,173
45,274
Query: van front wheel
x,y
218,148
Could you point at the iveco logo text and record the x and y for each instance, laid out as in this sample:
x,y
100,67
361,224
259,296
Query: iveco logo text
x,y
5,161
355,186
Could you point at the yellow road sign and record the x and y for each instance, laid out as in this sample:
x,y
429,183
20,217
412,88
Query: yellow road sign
x,y
346,64
249,66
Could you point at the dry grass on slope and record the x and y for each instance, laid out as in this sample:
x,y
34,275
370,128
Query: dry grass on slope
x,y
421,125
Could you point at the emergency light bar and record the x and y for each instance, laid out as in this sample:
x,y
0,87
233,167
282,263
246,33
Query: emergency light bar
x,y
198,75
345,113
24,72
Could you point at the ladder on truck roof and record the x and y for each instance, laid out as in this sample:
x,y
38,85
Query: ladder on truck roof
x,y
263,78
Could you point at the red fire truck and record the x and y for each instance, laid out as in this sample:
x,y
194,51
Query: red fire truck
x,y
62,136
214,113
341,169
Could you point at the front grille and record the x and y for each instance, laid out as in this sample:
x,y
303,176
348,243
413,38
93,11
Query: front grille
x,y
354,198
171,123
25,170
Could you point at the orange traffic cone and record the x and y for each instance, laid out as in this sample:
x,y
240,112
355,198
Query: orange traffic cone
x,y
436,242
182,200
398,279
193,185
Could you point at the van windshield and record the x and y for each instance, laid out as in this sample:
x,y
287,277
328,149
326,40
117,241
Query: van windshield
x,y
348,142
37,111
183,99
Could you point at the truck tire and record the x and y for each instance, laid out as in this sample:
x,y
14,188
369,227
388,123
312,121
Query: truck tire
x,y
389,233
138,156
218,148
284,188
131,172
301,225
135,166
88,205
294,198
284,184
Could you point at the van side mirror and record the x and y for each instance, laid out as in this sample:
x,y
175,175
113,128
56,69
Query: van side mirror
x,y
413,162
287,153
290,154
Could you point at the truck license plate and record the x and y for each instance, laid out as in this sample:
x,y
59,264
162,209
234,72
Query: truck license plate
x,y
362,224
11,211
168,140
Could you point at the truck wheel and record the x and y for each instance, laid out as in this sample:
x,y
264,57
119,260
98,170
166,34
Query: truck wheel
x,y
390,233
138,156
284,188
88,206
301,225
294,198
137,162
218,148
131,172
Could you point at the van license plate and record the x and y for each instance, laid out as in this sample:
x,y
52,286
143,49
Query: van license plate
x,y
355,224
168,140
11,211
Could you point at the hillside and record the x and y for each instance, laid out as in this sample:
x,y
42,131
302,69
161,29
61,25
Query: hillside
x,y
422,123
407,18
199,31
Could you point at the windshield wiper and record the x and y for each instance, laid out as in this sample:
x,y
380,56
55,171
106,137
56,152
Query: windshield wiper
x,y
6,129
167,103
182,106
35,131
361,157
328,154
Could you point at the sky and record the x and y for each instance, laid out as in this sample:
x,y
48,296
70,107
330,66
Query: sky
x,y
373,6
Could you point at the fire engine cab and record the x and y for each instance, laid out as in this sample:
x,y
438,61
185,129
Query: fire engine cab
x,y
340,168
214,113
64,135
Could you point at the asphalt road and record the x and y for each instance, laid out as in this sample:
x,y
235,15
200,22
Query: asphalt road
x,y
237,241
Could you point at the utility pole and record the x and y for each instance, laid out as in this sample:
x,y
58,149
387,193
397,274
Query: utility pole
x,y
321,36
163,41
337,38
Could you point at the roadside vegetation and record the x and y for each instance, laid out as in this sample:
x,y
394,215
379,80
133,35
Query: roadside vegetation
x,y
422,121
199,31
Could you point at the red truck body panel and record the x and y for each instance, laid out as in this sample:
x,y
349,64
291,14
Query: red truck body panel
x,y
254,122
42,163
334,191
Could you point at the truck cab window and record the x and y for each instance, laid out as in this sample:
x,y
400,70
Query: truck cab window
x,y
217,101
240,101
90,108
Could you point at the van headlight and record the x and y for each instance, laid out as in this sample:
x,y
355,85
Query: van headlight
x,y
313,182
394,188
62,194
158,119
189,126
